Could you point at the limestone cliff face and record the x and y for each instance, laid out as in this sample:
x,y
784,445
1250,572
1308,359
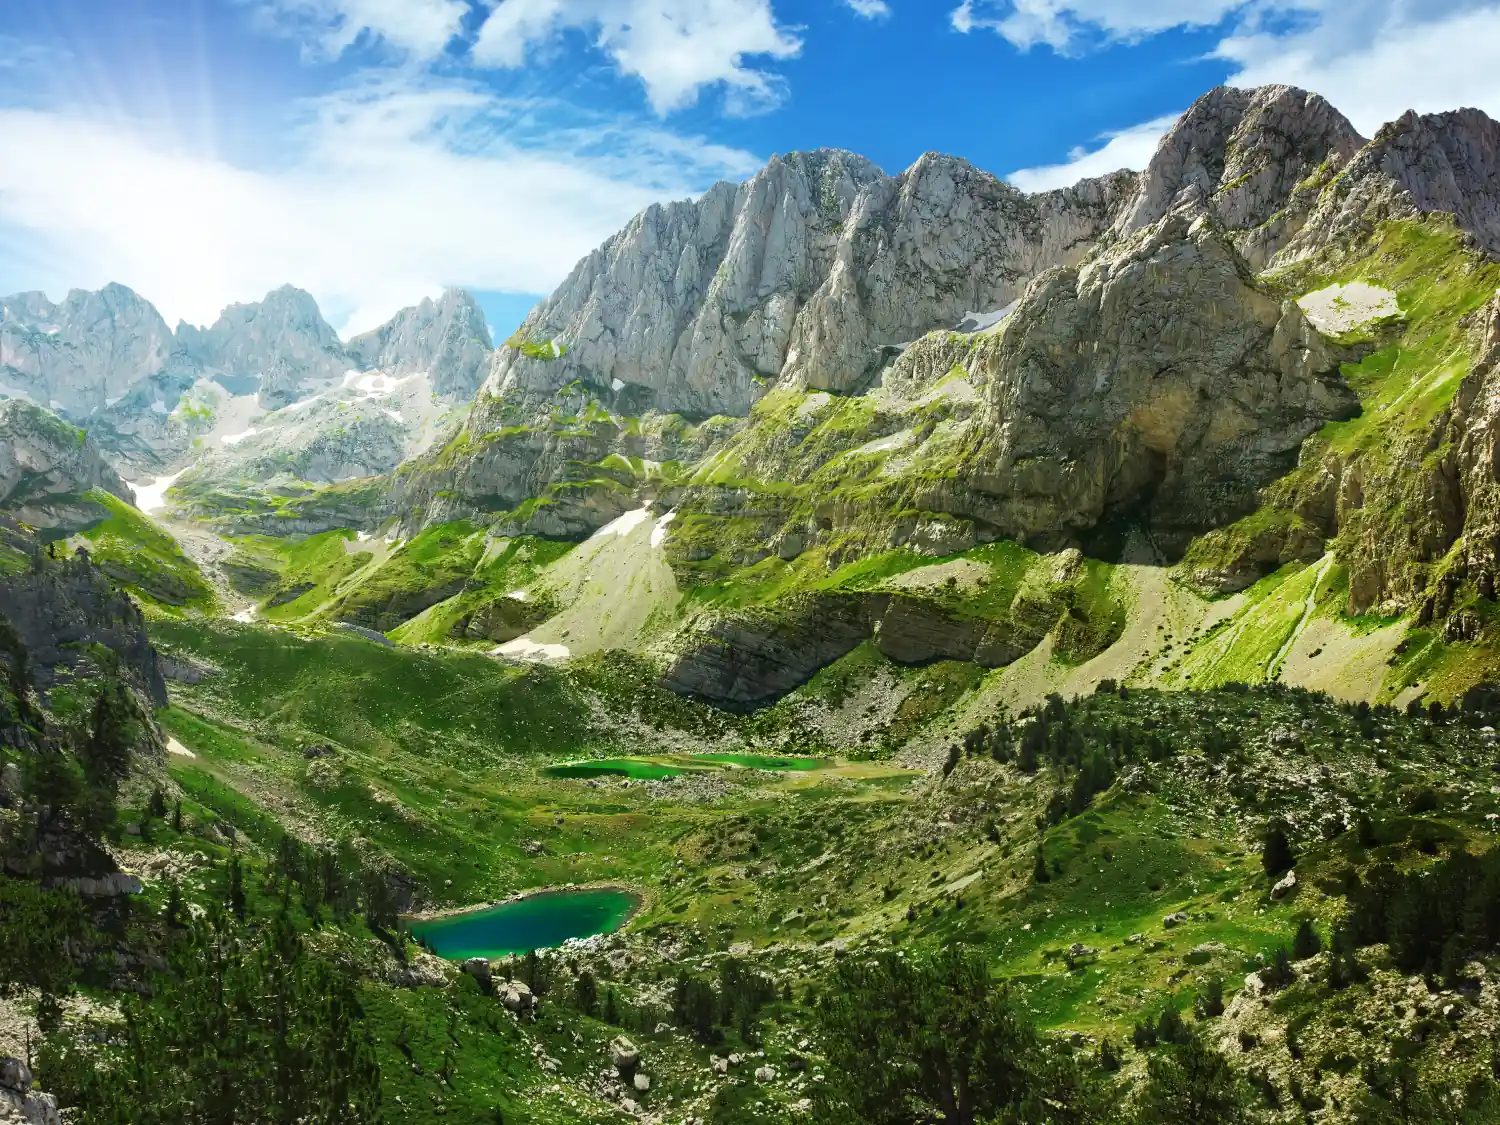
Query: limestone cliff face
x,y
804,272
81,354
1159,378
447,339
1159,384
46,466
280,348
812,274
61,609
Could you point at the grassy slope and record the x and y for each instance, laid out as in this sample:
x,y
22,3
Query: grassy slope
x,y
442,760
146,560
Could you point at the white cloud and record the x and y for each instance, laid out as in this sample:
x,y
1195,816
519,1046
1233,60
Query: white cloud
x,y
422,28
1129,148
870,9
1376,59
1064,24
1373,59
395,189
675,47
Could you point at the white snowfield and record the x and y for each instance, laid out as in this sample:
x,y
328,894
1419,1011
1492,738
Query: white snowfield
x,y
151,496
1338,308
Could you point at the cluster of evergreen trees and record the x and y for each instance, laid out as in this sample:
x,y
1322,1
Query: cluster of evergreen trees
x,y
736,1003
245,1026
338,879
911,1039
1434,920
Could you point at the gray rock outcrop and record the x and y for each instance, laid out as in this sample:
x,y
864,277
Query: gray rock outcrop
x,y
279,347
61,610
47,466
79,355
447,339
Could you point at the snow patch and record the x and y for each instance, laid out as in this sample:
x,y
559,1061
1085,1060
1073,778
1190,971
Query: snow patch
x,y
524,648
984,321
159,407
899,440
617,386
1338,308
151,496
235,439
244,616
175,747
518,595
111,401
624,525
659,532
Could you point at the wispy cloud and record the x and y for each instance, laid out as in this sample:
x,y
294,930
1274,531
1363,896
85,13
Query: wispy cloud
x,y
870,9
676,48
421,28
397,186
1129,148
1067,25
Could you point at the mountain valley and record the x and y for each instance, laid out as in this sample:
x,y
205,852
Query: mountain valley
x,y
1021,657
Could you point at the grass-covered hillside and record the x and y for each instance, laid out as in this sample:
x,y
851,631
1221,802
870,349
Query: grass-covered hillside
x,y
1117,866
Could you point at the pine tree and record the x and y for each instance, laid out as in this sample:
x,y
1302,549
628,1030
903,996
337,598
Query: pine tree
x,y
174,909
236,892
1191,1084
177,816
1039,873
1306,943
1277,856
586,993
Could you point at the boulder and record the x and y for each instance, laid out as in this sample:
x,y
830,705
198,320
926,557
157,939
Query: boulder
x,y
625,1055
479,969
517,997
765,1073
15,1075
1176,918
641,1082
1285,886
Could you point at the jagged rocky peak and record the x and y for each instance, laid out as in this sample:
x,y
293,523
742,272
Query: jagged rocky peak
x,y
278,347
1246,150
1418,164
47,466
447,339
1261,156
808,271
82,353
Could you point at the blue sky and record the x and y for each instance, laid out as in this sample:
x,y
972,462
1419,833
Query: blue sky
x,y
374,151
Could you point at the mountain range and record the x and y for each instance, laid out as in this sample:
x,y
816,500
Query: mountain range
x,y
1262,361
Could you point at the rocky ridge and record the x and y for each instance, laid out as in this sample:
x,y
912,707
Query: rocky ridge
x,y
47,467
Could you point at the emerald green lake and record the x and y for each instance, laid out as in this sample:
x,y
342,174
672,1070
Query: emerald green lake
x,y
656,768
766,761
539,921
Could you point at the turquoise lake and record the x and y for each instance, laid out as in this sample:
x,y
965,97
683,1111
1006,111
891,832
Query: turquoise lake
x,y
539,921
